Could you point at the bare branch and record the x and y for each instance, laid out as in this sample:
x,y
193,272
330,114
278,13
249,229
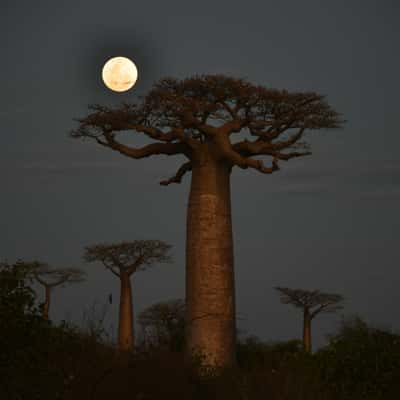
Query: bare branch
x,y
111,268
146,151
329,305
289,142
177,178
288,156
258,165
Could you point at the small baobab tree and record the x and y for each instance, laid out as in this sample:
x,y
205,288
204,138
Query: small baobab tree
x,y
123,260
50,277
216,123
312,302
163,324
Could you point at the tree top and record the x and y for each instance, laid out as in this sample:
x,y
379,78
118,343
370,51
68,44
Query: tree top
x,y
49,276
128,257
162,311
204,112
312,300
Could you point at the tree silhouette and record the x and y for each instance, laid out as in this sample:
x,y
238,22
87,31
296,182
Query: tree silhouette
x,y
123,260
163,324
50,277
198,118
312,302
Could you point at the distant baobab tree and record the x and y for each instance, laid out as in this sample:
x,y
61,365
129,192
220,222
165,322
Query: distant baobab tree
x,y
312,302
163,324
198,118
123,260
50,278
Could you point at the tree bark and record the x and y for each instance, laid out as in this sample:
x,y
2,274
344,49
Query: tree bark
x,y
46,305
210,289
307,330
125,329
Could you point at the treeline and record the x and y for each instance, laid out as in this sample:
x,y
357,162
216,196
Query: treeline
x,y
43,360
127,258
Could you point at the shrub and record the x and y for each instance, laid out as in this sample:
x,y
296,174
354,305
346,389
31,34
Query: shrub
x,y
361,362
39,360
252,353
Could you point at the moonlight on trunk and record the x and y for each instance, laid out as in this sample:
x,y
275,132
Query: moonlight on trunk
x,y
199,118
123,260
50,277
312,302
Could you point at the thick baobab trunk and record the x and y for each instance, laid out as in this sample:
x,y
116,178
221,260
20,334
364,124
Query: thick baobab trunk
x,y
307,330
125,329
210,291
46,305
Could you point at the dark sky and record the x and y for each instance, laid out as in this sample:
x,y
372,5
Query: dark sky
x,y
329,221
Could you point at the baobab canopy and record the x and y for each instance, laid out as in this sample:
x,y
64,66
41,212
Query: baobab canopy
x,y
179,115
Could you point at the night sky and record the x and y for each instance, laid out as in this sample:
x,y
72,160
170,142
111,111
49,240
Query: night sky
x,y
329,221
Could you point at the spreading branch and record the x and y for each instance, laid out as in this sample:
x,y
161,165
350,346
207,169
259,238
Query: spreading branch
x,y
177,178
141,152
313,301
193,115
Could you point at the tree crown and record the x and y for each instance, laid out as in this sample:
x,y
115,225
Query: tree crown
x,y
129,257
201,113
312,300
51,277
163,323
163,313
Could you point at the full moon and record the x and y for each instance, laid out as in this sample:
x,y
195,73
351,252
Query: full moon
x,y
119,74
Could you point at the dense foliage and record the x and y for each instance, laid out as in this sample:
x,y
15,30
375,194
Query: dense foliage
x,y
361,362
38,360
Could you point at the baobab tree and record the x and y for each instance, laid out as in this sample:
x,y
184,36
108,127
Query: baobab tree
x,y
163,324
312,302
198,119
123,260
50,278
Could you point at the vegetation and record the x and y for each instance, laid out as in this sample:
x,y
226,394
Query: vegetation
x,y
361,362
163,325
42,360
